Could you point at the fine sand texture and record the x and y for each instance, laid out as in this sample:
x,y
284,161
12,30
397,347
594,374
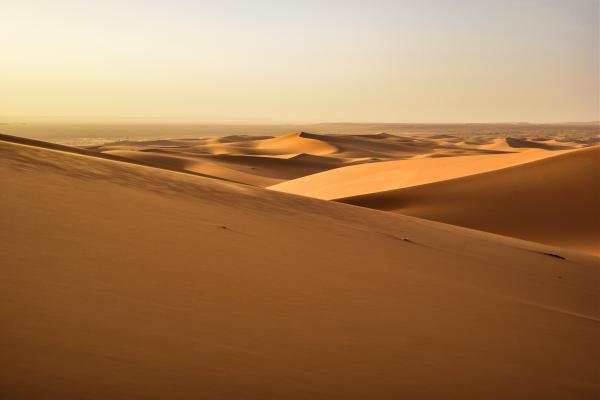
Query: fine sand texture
x,y
124,281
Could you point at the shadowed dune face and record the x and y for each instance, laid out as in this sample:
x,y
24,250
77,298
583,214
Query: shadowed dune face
x,y
123,281
540,144
257,171
553,200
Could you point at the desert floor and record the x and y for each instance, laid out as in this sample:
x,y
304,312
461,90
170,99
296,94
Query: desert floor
x,y
302,266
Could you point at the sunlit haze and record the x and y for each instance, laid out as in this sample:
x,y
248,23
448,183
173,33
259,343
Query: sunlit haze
x,y
300,61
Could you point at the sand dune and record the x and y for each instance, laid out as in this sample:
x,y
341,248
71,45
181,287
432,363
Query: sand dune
x,y
363,146
382,176
122,281
298,143
198,164
259,161
173,166
340,146
266,161
501,144
552,200
257,171
520,143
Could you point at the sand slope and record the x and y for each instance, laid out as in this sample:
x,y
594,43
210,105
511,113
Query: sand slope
x,y
123,281
146,161
234,158
376,177
257,171
553,200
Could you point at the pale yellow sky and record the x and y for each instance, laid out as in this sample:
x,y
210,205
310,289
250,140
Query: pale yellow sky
x,y
271,61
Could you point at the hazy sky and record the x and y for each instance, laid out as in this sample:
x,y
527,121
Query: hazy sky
x,y
301,61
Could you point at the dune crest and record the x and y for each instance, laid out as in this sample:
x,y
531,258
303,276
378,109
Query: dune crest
x,y
301,142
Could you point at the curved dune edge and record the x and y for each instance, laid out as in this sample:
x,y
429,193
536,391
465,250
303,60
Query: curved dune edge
x,y
552,200
298,143
121,282
104,155
362,179
252,170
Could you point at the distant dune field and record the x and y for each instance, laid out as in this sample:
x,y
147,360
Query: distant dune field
x,y
267,161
